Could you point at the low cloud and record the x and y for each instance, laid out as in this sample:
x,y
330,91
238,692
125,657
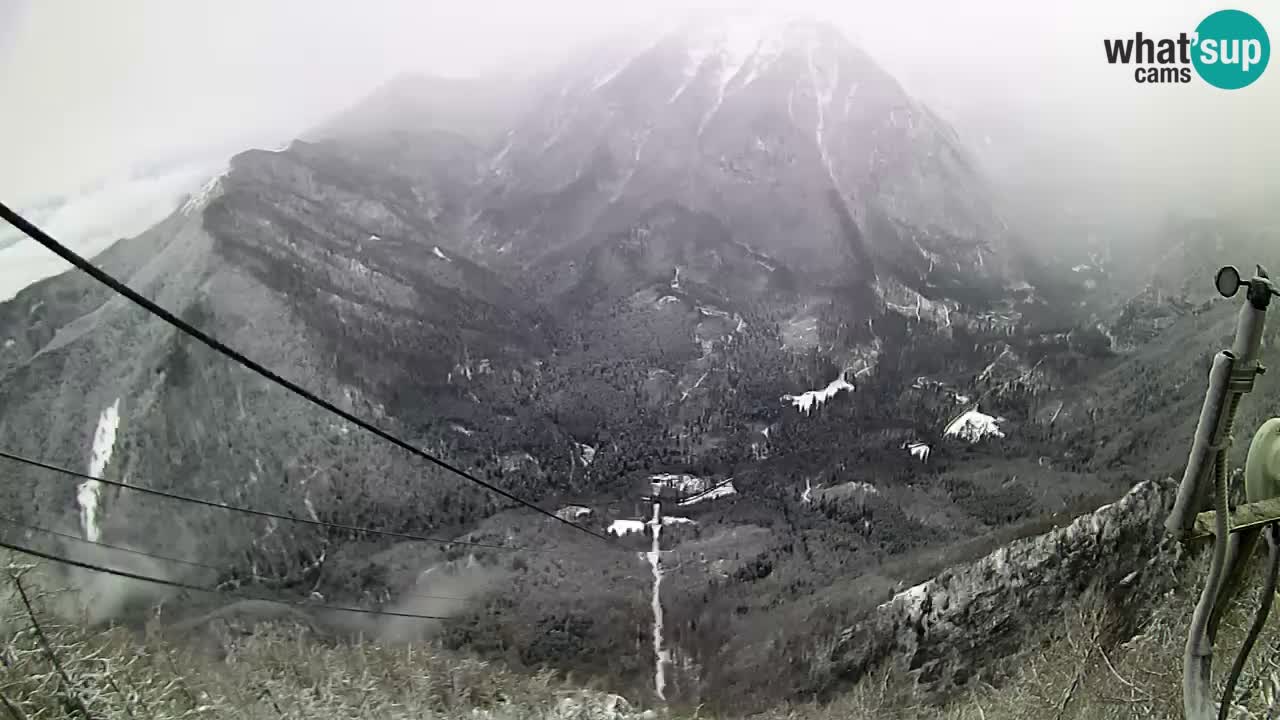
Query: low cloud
x,y
91,220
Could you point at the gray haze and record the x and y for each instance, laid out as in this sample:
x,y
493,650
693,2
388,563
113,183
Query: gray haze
x,y
139,88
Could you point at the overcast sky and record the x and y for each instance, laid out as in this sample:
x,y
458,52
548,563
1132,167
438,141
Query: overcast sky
x,y
106,87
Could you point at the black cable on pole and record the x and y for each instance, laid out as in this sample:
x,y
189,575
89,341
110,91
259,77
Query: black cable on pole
x,y
131,551
105,278
212,591
250,511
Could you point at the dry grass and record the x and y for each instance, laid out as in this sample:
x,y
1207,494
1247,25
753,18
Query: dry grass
x,y
274,672
284,672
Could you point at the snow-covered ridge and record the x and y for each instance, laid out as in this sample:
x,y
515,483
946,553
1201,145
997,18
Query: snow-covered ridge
x,y
807,401
201,198
1032,577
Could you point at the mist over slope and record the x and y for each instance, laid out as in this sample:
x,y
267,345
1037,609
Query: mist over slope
x,y
739,257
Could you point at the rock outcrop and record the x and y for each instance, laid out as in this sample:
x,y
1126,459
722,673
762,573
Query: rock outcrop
x,y
952,628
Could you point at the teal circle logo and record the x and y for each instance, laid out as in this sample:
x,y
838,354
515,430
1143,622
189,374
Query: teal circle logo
x,y
1232,49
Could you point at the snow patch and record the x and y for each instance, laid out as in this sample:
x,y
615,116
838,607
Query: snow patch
x,y
573,512
586,454
441,255
807,401
681,483
625,527
973,426
668,299
89,493
905,301
723,490
675,281
919,451
462,429
374,238
9,343
912,594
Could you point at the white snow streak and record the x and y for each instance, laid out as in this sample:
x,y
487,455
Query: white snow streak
x,y
631,171
587,454
919,451
104,441
684,395
822,97
436,251
692,64
737,47
807,401
661,655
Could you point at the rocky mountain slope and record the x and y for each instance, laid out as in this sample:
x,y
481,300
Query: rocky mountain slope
x,y
737,260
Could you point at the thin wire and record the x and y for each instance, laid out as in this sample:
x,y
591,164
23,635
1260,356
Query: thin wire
x,y
211,591
99,543
251,511
75,538
66,253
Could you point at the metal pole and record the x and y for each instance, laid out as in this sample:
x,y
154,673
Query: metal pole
x,y
1191,491
1232,376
